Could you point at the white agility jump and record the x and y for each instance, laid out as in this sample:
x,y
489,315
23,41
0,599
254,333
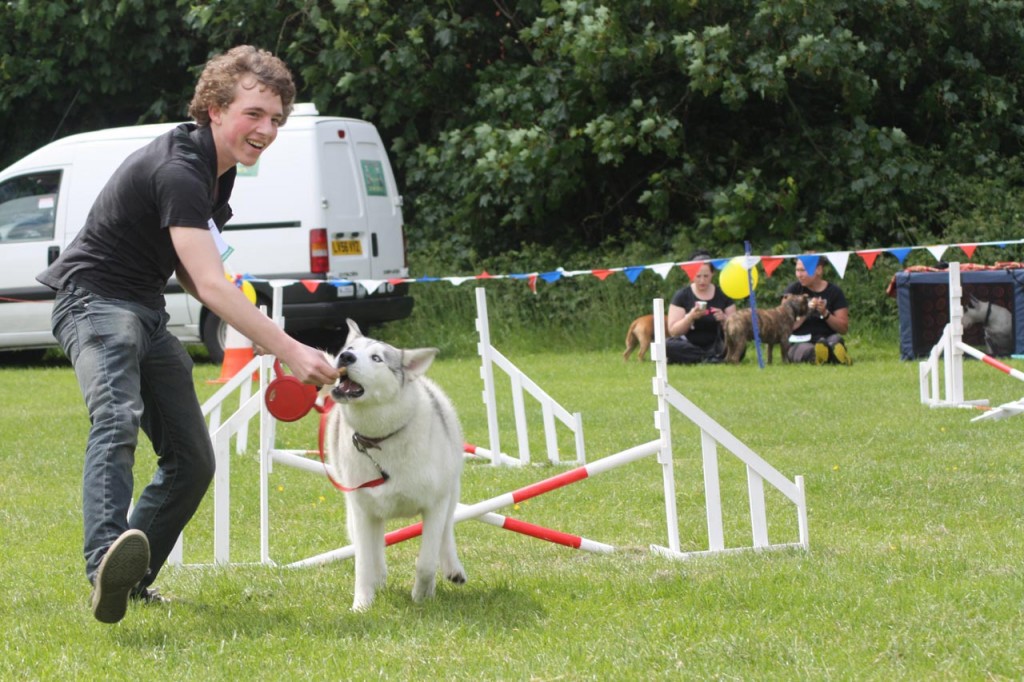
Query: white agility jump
x,y
712,435
491,357
950,351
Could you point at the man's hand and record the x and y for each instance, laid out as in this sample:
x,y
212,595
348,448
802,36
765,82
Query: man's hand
x,y
309,365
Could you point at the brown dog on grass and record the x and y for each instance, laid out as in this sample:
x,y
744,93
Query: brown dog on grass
x,y
641,333
774,327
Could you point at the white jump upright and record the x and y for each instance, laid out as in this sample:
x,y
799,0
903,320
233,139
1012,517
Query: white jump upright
x,y
550,409
221,432
713,434
951,348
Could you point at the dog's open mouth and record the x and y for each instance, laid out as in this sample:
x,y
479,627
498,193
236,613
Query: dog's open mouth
x,y
346,388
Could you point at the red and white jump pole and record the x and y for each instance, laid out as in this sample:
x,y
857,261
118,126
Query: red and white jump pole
x,y
484,453
991,361
1007,409
481,509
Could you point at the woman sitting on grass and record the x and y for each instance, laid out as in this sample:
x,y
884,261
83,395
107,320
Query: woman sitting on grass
x,y
695,318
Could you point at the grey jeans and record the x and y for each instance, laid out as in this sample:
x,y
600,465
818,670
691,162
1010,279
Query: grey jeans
x,y
133,373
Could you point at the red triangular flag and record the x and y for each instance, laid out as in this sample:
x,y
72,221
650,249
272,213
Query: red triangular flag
x,y
532,281
691,268
310,284
770,263
484,275
601,274
968,249
869,257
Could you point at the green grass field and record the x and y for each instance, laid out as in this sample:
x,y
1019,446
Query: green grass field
x,y
914,571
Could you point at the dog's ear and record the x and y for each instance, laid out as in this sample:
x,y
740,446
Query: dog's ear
x,y
353,330
416,361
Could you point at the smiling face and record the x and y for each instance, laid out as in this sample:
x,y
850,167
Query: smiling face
x,y
247,126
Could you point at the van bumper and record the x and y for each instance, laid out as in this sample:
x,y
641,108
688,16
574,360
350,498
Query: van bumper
x,y
323,308
300,317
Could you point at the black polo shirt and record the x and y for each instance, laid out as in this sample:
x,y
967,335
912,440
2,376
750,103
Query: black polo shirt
x,y
124,251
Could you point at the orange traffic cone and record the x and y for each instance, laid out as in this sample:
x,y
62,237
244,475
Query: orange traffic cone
x,y
237,354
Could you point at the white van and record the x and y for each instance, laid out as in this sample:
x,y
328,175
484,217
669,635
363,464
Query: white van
x,y
321,205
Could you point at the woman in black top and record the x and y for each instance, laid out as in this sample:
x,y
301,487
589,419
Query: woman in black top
x,y
695,318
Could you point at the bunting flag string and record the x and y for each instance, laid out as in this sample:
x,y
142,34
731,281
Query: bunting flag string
x,y
839,260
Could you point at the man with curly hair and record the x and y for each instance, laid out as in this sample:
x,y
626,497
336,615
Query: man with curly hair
x,y
159,215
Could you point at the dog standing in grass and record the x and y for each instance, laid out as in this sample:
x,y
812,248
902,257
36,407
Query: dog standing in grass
x,y
395,444
774,327
640,334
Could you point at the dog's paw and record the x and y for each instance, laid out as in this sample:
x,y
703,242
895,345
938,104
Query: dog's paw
x,y
362,600
361,605
422,589
454,572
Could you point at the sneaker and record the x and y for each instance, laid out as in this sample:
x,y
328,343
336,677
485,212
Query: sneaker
x,y
123,566
820,353
839,351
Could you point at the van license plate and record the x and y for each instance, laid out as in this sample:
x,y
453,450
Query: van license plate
x,y
346,247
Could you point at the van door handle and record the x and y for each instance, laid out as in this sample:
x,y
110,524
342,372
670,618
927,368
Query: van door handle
x,y
51,255
373,244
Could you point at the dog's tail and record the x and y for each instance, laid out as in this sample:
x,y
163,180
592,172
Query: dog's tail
x,y
631,342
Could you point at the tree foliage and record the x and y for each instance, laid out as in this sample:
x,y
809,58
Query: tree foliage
x,y
579,125
72,65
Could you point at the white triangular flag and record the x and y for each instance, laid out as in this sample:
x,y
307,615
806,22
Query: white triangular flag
x,y
371,285
937,251
839,259
662,269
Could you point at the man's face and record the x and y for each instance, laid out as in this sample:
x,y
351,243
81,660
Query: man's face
x,y
247,126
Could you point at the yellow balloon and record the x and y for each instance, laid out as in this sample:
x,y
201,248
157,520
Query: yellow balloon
x,y
733,279
247,288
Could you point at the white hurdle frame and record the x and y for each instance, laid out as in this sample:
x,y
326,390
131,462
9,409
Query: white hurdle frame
x,y
951,348
550,409
712,434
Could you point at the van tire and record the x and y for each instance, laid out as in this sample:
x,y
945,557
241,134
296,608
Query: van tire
x,y
213,334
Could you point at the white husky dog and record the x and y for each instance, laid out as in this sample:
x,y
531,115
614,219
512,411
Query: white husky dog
x,y
395,445
997,321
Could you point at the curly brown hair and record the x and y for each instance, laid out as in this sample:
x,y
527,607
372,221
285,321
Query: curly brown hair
x,y
216,85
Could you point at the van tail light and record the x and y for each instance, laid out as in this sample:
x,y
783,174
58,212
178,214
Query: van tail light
x,y
318,259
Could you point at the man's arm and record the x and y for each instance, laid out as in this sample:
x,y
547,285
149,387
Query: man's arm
x,y
201,273
184,280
